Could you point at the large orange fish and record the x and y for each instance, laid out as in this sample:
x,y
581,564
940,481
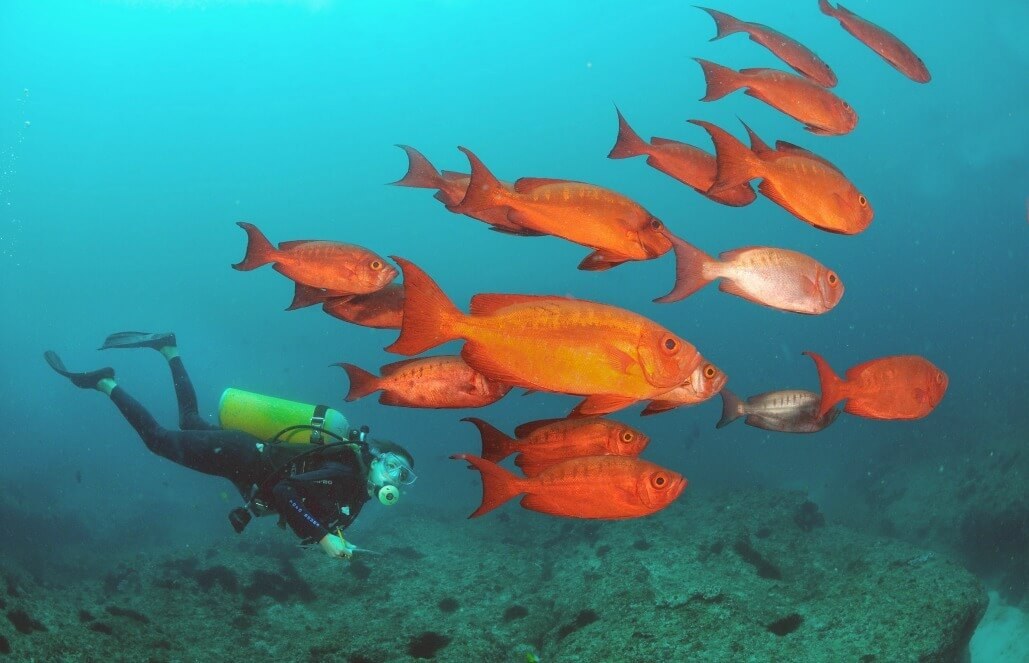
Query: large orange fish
x,y
382,309
706,381
612,356
543,443
340,269
891,49
616,227
801,58
601,487
426,382
451,189
690,165
777,278
801,182
821,111
901,387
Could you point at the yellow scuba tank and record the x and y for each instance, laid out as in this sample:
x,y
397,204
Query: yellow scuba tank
x,y
266,416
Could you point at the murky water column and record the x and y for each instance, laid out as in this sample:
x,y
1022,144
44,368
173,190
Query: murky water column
x,y
10,224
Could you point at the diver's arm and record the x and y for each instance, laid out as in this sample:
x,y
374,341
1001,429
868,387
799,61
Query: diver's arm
x,y
289,503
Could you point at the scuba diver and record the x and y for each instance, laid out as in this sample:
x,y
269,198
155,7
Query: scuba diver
x,y
316,473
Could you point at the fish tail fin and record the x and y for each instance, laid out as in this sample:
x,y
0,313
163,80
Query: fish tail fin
x,y
259,250
421,173
732,408
429,315
826,8
305,295
692,271
362,382
833,388
495,445
725,24
484,189
736,164
628,144
498,485
720,80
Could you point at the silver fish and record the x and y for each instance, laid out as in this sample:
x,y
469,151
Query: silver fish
x,y
787,411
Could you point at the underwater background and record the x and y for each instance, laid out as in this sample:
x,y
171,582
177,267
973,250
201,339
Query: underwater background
x,y
135,134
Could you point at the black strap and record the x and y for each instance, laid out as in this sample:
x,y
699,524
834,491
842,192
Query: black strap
x,y
318,421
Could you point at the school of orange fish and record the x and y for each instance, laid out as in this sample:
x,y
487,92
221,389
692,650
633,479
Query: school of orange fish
x,y
585,466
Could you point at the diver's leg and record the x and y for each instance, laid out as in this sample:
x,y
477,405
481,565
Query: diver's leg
x,y
165,343
233,455
185,394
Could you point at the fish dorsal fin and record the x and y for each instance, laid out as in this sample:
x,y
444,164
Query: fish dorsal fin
x,y
489,303
527,184
790,148
757,146
664,141
530,427
293,243
390,369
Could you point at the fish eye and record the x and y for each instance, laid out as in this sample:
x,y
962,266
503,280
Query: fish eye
x,y
846,106
655,224
376,264
627,436
862,201
670,344
709,371
833,279
939,378
659,481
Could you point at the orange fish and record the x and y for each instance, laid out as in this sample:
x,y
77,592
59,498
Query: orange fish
x,y
821,111
706,381
612,356
452,187
427,382
801,182
601,487
777,278
901,387
616,227
690,165
382,309
790,51
340,269
541,444
891,49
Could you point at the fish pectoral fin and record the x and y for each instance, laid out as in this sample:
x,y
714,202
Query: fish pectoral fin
x,y
476,356
657,407
598,261
818,131
621,359
598,404
773,194
519,231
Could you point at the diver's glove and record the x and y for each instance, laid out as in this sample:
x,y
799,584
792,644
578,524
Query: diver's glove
x,y
334,546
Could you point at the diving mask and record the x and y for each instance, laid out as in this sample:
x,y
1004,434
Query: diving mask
x,y
396,469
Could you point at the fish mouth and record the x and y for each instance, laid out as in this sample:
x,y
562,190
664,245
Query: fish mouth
x,y
654,243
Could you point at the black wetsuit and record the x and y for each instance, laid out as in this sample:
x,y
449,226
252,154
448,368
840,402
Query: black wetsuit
x,y
323,494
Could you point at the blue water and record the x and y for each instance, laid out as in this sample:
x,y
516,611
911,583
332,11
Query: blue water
x,y
135,135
